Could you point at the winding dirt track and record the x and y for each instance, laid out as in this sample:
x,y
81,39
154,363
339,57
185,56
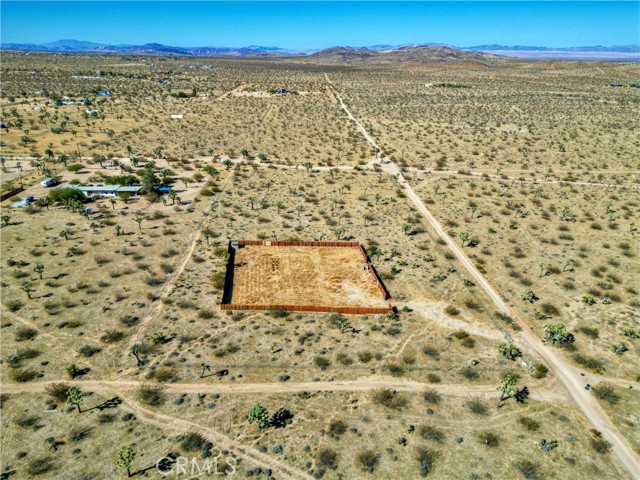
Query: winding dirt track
x,y
166,422
186,256
567,374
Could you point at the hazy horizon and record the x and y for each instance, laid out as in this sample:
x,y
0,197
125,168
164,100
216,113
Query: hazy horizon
x,y
317,25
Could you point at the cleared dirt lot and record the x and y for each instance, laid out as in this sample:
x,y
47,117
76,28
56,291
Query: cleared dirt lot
x,y
324,276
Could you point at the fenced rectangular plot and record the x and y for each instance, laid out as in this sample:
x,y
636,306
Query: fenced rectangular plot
x,y
303,276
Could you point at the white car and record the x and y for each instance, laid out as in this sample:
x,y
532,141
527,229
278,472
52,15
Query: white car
x,y
48,182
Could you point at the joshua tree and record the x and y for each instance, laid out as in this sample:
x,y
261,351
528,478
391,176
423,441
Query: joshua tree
x,y
186,181
125,459
259,415
299,209
252,201
205,368
157,152
73,371
64,234
509,351
308,166
473,210
100,159
542,269
113,203
507,388
338,232
5,219
39,269
529,296
118,230
464,236
139,219
567,264
557,333
26,288
378,198
75,396
206,233
279,205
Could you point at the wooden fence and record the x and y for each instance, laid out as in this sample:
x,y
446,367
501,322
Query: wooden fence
x,y
11,193
310,308
278,243
228,287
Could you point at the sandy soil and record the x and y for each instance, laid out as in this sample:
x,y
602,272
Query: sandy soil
x,y
303,276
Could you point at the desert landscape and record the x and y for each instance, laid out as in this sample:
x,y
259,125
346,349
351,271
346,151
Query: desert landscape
x,y
497,201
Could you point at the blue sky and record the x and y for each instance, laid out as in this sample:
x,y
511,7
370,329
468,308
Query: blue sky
x,y
323,24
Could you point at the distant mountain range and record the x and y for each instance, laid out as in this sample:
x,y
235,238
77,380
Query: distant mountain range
x,y
409,52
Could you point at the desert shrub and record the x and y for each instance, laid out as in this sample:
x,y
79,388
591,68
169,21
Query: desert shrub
x,y
154,281
25,333
460,334
129,320
164,374
389,398
451,310
150,395
106,418
29,421
327,458
344,359
431,396
528,469
112,336
529,423
15,361
395,370
192,442
365,357
322,362
22,376
57,391
218,280
549,309
337,427
490,439
605,391
540,370
433,378
88,351
40,466
587,362
431,352
429,432
590,332
469,373
468,342
598,443
477,407
64,194
368,460
14,305
426,458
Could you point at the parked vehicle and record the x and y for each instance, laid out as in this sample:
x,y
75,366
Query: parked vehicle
x,y
48,182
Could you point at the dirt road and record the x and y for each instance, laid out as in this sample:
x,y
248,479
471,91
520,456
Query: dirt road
x,y
363,384
567,374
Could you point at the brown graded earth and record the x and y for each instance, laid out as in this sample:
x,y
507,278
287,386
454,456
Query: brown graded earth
x,y
323,276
